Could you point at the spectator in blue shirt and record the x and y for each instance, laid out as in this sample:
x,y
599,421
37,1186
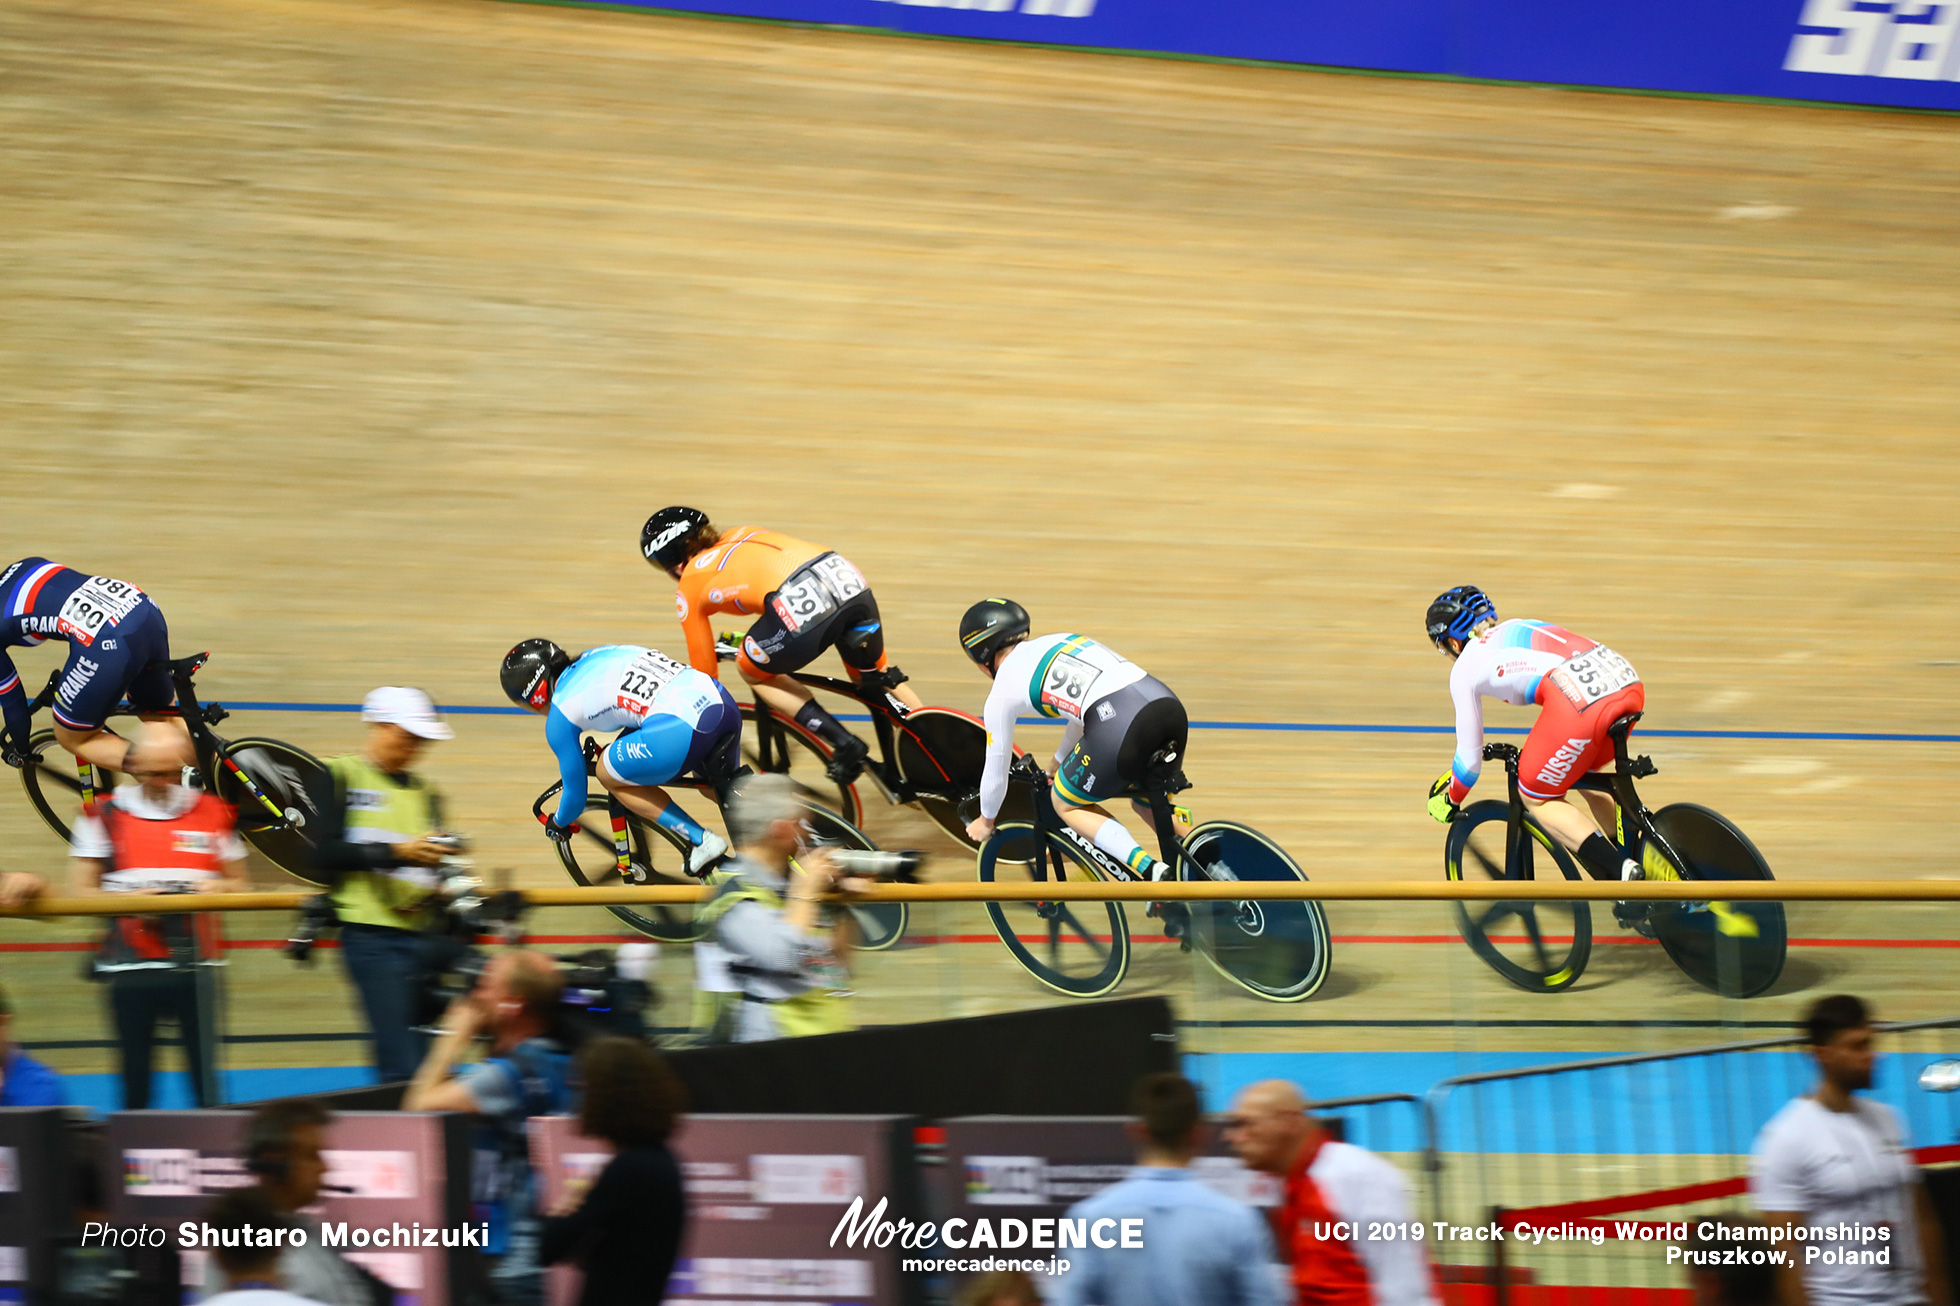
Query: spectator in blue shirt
x,y
23,1080
1198,1248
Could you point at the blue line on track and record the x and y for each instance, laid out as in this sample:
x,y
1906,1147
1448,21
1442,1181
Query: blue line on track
x,y
1301,727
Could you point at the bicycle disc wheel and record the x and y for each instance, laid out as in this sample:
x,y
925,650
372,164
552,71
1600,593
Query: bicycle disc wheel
x,y
1062,944
1735,949
1274,950
52,783
880,925
941,755
590,860
286,776
801,756
1541,947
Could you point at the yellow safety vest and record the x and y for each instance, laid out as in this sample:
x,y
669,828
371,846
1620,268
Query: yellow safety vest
x,y
379,808
813,1011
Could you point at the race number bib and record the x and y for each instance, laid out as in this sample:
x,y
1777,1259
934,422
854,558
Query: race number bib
x,y
844,581
1069,685
816,591
644,677
97,602
1593,675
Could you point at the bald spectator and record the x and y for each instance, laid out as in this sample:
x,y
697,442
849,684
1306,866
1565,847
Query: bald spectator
x,y
522,1073
155,837
1328,1181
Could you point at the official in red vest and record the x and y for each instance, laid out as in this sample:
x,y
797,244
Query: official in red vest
x,y
1346,1224
159,836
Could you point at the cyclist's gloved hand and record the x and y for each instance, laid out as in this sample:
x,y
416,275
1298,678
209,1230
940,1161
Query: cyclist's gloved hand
x,y
11,758
559,833
1440,805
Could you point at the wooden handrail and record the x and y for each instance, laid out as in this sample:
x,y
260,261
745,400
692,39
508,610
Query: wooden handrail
x,y
1261,890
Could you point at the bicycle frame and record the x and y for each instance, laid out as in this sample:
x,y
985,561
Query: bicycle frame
x,y
198,720
1619,782
1048,821
874,692
616,810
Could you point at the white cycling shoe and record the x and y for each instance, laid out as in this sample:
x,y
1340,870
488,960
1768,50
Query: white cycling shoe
x,y
702,858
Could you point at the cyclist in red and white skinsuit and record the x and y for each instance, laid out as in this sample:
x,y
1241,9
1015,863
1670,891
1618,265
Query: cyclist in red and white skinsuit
x,y
1583,687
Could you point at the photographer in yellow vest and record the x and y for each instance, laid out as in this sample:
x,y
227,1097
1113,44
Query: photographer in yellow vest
x,y
381,842
768,925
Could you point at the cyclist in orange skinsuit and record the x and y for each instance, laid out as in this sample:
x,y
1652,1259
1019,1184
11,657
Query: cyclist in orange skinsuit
x,y
804,599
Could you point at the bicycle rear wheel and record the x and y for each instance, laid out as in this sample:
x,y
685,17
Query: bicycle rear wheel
x,y
1279,951
1060,943
52,783
801,756
590,860
1556,940
1735,949
880,925
941,755
286,776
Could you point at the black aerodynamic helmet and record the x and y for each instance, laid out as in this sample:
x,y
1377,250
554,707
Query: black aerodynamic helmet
x,y
990,626
663,540
1457,612
530,670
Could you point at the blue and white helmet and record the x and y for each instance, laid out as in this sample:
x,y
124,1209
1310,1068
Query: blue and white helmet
x,y
1457,612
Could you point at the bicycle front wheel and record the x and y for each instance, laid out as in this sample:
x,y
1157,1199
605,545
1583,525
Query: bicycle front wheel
x,y
800,755
280,818
1279,951
52,783
1735,949
591,860
1081,949
1542,947
880,925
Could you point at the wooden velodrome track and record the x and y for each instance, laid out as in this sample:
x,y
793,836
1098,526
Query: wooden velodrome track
x,y
364,336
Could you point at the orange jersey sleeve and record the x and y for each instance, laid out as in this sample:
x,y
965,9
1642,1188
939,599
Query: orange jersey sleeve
x,y
736,575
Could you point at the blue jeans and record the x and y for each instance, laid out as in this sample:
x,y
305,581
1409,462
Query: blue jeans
x,y
387,968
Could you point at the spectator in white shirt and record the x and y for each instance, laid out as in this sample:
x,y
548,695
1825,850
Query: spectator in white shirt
x,y
1836,1164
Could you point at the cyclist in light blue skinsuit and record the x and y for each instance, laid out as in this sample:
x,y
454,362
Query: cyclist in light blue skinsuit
x,y
671,720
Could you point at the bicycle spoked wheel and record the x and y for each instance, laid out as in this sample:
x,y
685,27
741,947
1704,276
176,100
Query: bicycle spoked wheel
x,y
880,925
801,756
53,785
1081,949
1275,950
1736,949
590,860
941,755
1541,947
286,776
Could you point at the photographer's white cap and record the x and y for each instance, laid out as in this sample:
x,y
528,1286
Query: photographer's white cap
x,y
400,705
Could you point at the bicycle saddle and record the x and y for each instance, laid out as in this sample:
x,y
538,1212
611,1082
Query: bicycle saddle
x,y
185,666
1619,728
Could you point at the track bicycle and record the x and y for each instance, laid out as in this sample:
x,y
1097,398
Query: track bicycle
x,y
1275,950
1735,949
613,846
270,782
930,757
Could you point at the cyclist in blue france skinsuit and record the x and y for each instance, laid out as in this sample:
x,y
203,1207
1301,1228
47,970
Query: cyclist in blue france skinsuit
x,y
116,642
671,719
